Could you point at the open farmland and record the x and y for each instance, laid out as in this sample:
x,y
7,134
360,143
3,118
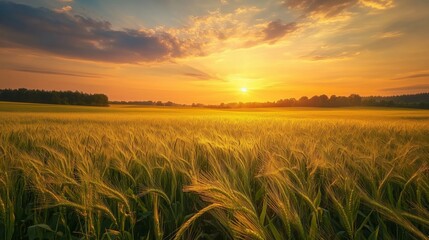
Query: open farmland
x,y
126,172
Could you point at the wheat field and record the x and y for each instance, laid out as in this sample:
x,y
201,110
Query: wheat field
x,y
125,172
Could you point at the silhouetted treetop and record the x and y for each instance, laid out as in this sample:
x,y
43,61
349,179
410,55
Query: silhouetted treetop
x,y
409,101
53,97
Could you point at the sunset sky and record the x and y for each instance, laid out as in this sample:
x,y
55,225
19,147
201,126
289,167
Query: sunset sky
x,y
207,51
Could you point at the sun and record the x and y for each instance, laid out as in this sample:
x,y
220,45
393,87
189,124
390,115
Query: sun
x,y
243,89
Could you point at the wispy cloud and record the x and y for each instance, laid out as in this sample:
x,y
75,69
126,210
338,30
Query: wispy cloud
x,y
64,9
415,75
330,55
319,8
218,31
414,88
331,8
392,34
53,72
378,4
198,74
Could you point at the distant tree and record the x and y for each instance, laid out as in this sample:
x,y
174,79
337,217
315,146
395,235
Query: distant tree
x,y
286,102
303,101
314,101
355,100
53,97
415,101
323,101
333,101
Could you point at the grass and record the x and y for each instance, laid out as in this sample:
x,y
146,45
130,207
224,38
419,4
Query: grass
x,y
125,172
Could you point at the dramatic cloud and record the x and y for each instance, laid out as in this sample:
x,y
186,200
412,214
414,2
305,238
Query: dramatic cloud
x,y
80,37
62,33
74,36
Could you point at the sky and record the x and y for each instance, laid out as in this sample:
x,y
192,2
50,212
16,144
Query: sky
x,y
208,51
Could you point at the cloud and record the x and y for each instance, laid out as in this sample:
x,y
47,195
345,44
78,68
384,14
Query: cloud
x,y
415,88
64,9
276,30
74,36
323,9
53,72
320,8
331,55
392,34
411,76
79,37
378,4
218,31
198,74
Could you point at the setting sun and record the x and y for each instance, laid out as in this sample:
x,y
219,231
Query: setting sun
x,y
243,89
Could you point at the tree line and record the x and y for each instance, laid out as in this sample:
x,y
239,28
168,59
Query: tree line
x,y
420,100
149,103
53,97
407,101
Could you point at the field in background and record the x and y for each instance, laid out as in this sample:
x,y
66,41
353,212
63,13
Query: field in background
x,y
126,172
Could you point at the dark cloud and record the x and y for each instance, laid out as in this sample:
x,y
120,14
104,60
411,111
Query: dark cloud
x,y
80,37
276,30
415,88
